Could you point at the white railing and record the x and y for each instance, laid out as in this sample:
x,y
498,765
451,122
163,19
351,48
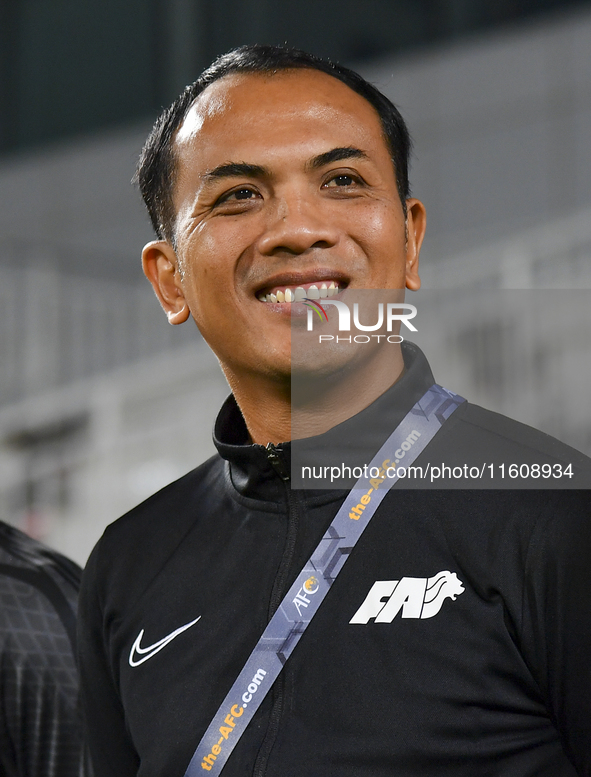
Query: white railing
x,y
555,255
57,327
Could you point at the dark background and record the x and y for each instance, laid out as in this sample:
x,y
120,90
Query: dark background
x,y
70,67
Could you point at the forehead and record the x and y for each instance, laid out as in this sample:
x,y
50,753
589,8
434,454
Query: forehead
x,y
274,115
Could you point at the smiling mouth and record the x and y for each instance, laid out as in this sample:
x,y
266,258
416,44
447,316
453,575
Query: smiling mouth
x,y
318,290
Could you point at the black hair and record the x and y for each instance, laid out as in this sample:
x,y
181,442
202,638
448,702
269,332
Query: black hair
x,y
157,164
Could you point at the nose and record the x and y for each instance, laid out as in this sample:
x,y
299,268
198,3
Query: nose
x,y
296,225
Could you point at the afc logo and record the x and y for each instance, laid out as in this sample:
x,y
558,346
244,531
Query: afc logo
x,y
308,589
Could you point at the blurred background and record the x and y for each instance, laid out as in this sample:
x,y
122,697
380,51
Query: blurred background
x,y
101,402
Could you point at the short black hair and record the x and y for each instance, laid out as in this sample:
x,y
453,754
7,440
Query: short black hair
x,y
157,164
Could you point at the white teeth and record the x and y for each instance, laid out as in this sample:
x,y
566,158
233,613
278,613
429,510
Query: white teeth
x,y
300,293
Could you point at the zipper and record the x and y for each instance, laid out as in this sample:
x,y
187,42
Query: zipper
x,y
275,457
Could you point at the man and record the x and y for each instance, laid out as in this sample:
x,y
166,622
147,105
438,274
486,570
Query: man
x,y
40,722
278,177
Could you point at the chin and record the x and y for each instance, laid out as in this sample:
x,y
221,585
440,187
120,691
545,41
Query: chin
x,y
325,363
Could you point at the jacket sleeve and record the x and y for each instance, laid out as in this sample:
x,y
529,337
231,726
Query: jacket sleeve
x,y
111,750
557,619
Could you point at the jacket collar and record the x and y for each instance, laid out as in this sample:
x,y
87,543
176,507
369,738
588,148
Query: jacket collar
x,y
357,439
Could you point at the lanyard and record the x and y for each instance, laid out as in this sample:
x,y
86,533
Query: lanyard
x,y
300,604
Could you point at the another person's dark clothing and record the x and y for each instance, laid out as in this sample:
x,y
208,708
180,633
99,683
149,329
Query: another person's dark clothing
x,y
494,680
40,723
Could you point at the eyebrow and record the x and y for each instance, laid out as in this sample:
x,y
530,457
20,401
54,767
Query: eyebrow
x,y
247,170
336,155
236,170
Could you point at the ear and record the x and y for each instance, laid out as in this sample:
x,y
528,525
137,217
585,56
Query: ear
x,y
416,222
161,268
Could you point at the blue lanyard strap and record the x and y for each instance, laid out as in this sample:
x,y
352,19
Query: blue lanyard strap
x,y
305,596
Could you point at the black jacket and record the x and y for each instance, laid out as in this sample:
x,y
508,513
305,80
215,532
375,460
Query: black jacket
x,y
40,722
496,682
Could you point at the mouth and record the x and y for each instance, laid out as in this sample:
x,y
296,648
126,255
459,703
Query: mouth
x,y
302,291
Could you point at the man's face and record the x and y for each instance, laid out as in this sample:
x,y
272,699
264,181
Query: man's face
x,y
283,182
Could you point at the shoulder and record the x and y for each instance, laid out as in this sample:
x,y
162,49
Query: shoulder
x,y
138,544
26,564
515,434
169,510
19,550
481,438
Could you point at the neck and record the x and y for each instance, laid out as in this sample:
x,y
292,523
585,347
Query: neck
x,y
303,404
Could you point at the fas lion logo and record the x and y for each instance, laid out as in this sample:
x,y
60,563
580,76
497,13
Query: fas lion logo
x,y
413,597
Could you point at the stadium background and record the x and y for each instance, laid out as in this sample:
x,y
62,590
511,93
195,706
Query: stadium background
x,y
101,402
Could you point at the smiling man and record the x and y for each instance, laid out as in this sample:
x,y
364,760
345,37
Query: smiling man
x,y
454,641
284,182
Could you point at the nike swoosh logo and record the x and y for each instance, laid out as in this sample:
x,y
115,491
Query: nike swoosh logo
x,y
151,650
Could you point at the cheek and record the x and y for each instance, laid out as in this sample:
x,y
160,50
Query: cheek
x,y
221,246
380,229
206,260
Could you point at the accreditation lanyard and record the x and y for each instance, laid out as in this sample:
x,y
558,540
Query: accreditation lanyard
x,y
300,604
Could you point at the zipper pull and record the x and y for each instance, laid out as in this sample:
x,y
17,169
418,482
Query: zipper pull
x,y
275,457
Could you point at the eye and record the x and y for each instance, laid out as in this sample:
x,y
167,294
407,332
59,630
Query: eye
x,y
342,181
237,199
241,194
